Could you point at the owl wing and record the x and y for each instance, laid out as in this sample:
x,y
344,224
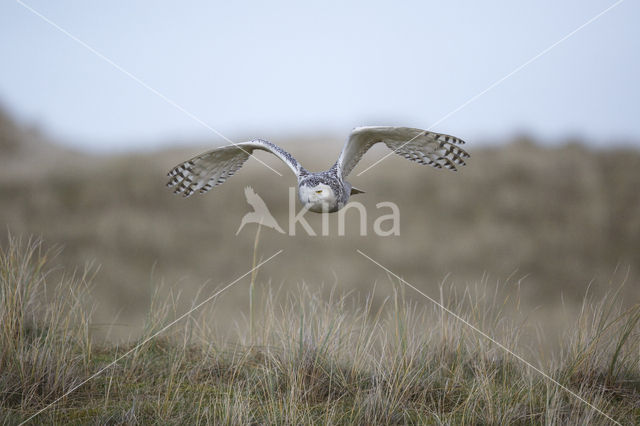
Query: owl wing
x,y
424,147
214,167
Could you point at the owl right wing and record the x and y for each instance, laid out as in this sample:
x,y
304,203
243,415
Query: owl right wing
x,y
424,147
214,167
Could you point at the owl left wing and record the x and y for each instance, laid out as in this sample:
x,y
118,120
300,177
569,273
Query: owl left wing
x,y
424,147
214,167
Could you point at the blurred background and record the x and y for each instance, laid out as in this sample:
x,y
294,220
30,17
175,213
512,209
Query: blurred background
x,y
99,101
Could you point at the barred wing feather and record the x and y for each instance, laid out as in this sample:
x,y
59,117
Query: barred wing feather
x,y
214,167
424,147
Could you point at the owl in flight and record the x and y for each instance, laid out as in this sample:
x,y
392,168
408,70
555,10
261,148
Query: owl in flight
x,y
326,191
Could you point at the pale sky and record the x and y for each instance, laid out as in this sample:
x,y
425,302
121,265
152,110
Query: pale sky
x,y
271,69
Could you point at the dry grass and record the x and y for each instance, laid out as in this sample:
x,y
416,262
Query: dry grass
x,y
340,348
45,347
562,217
319,357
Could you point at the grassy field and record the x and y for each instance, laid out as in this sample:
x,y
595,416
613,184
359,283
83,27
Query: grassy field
x,y
554,221
539,247
311,359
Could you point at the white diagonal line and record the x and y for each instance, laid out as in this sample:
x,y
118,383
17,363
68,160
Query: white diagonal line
x,y
494,341
499,81
129,352
139,81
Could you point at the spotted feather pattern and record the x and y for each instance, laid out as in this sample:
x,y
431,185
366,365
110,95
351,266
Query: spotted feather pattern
x,y
203,172
212,168
424,147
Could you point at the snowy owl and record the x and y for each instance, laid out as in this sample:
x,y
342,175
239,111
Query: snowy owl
x,y
326,191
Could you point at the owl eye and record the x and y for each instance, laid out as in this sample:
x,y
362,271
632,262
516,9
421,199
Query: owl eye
x,y
319,191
